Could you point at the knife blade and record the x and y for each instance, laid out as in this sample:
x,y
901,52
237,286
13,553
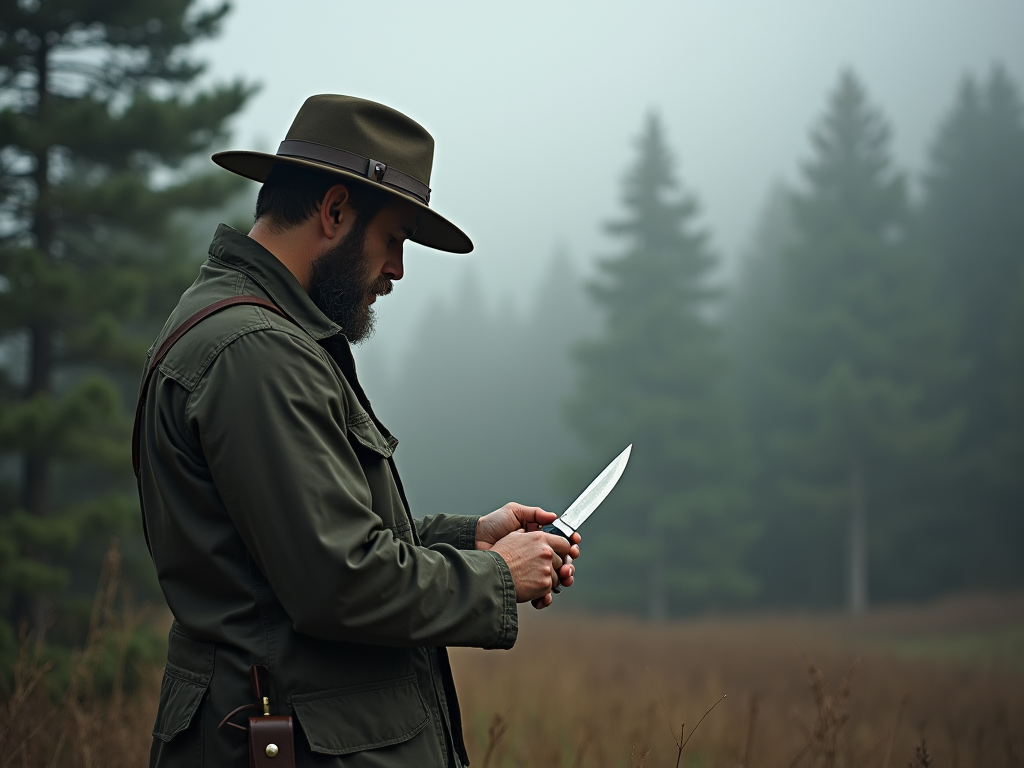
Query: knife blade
x,y
591,498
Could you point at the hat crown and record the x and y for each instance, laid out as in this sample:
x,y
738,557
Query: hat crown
x,y
366,128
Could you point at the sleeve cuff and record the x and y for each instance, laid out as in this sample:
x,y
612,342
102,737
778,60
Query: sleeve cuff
x,y
509,625
467,532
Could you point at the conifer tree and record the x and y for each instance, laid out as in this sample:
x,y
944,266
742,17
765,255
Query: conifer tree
x,y
671,536
974,222
859,419
99,111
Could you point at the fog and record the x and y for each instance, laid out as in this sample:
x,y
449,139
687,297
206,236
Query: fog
x,y
538,110
534,106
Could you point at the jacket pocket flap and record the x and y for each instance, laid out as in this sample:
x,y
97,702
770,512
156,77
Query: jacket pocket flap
x,y
346,720
365,432
179,700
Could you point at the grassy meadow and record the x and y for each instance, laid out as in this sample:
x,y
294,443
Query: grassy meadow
x,y
800,691
940,685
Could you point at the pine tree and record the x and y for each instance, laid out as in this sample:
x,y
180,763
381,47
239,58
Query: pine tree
x,y
858,419
99,112
974,221
671,536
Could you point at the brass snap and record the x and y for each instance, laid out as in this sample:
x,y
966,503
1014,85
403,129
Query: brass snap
x,y
272,750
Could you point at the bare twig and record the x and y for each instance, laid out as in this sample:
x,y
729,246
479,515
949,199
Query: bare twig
x,y
694,729
495,733
896,727
664,707
922,758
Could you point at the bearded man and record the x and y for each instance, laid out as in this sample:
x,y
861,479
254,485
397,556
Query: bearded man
x,y
302,588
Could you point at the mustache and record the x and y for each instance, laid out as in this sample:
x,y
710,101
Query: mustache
x,y
382,286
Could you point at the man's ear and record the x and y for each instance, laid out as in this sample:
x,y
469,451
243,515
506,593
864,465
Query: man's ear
x,y
334,209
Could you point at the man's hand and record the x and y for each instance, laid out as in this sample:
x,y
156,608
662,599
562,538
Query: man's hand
x,y
515,518
532,559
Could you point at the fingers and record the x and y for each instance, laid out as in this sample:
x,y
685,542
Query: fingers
x,y
556,565
560,544
539,563
566,574
527,515
543,602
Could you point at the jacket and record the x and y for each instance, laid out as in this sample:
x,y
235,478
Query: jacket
x,y
281,535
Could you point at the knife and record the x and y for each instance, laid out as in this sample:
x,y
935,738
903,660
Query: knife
x,y
584,506
578,512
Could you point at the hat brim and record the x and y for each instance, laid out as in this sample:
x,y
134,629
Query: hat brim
x,y
432,229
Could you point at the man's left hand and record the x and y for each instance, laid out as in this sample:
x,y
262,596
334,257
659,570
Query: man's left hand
x,y
490,529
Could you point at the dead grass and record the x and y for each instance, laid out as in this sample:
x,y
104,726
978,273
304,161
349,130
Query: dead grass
x,y
80,728
586,692
808,692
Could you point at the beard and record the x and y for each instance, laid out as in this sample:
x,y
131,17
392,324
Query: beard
x,y
341,286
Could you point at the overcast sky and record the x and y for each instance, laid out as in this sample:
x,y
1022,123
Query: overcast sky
x,y
534,106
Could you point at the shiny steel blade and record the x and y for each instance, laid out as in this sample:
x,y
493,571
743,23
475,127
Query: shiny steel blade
x,y
591,499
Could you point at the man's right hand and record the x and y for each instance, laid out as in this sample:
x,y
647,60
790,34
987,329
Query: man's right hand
x,y
530,559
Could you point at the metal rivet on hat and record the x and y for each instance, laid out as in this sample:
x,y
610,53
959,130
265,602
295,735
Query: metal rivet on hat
x,y
272,750
375,170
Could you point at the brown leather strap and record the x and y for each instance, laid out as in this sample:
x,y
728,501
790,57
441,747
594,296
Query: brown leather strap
x,y
350,161
170,341
271,742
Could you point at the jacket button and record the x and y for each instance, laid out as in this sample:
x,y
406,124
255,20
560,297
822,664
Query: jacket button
x,y
272,750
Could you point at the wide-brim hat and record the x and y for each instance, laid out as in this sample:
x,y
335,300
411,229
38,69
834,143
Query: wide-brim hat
x,y
365,143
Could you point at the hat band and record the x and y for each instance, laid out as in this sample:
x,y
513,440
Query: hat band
x,y
374,170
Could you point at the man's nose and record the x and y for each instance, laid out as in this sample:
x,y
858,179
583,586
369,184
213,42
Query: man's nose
x,y
394,267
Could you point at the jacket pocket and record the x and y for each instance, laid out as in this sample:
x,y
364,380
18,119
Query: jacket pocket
x,y
362,717
365,433
186,679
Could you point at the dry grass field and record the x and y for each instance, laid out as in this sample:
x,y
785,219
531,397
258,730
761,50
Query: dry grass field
x,y
800,691
936,686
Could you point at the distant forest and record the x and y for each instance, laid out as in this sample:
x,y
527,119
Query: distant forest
x,y
841,425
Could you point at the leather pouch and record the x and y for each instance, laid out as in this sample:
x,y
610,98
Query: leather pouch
x,y
271,737
271,742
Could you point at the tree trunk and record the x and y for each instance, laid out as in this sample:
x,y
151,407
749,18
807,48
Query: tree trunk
x,y
858,564
36,461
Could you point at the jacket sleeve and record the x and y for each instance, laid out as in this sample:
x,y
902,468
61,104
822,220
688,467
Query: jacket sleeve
x,y
458,531
270,418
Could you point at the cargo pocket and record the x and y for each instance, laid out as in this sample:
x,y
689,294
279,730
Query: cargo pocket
x,y
179,700
186,679
347,720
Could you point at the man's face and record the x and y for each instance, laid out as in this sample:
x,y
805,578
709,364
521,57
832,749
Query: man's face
x,y
346,279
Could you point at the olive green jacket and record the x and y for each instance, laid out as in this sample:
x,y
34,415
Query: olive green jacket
x,y
281,536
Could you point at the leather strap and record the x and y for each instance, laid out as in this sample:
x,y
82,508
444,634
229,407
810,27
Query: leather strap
x,y
169,342
271,742
350,161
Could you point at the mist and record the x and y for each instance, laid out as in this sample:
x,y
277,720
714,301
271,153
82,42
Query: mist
x,y
539,116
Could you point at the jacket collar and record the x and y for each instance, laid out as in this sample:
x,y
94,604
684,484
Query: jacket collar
x,y
241,252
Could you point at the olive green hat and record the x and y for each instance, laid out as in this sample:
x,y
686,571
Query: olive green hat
x,y
364,142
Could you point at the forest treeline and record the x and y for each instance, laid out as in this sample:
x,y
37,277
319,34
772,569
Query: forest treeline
x,y
840,424
101,119
843,423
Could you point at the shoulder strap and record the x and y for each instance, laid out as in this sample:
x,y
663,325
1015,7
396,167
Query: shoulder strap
x,y
163,349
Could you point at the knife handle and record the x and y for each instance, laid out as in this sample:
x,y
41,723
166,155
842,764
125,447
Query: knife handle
x,y
558,532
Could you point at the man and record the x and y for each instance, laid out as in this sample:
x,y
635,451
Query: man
x,y
272,504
